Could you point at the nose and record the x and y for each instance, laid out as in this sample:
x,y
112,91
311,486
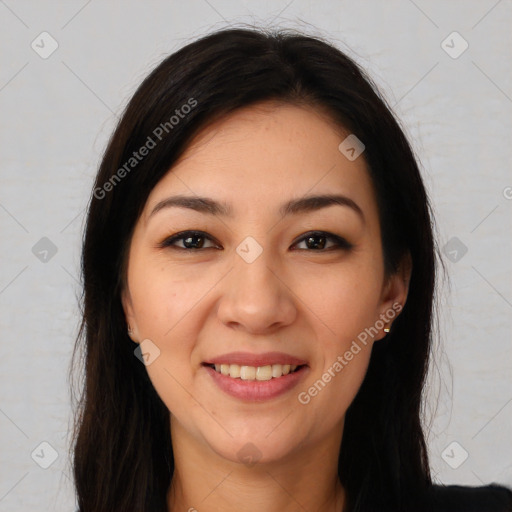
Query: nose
x,y
256,297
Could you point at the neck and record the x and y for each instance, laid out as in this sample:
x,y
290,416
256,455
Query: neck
x,y
305,480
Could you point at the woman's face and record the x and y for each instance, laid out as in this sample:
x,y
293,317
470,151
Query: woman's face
x,y
256,291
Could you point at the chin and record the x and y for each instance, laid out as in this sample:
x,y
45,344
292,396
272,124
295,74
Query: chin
x,y
256,447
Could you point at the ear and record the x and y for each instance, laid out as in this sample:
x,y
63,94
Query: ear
x,y
129,314
394,293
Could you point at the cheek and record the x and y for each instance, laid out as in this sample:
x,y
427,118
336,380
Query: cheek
x,y
347,301
166,307
165,322
337,378
161,300
346,307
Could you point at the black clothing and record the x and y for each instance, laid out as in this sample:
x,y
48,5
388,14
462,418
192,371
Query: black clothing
x,y
461,498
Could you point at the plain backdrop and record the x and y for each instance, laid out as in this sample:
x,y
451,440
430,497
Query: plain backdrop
x,y
452,93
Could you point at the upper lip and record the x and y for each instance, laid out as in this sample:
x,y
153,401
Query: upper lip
x,y
249,359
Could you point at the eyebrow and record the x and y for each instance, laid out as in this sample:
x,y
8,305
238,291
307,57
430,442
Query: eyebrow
x,y
211,207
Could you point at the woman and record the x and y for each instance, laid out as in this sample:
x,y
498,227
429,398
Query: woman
x,y
259,273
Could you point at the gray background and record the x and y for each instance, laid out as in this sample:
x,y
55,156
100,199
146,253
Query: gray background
x,y
57,113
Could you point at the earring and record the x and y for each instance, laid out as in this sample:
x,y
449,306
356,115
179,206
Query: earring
x,y
387,329
130,332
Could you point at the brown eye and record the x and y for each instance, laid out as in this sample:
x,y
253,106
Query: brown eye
x,y
190,240
317,241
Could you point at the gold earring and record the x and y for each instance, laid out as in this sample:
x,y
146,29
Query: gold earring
x,y
387,329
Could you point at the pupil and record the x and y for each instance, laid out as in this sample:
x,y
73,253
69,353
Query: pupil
x,y
315,245
188,243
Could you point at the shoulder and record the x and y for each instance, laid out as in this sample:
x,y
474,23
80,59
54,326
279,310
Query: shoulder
x,y
454,498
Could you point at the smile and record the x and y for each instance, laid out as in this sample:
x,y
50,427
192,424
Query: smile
x,y
252,377
267,372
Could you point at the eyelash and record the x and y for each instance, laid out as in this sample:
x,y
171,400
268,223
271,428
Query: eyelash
x,y
341,243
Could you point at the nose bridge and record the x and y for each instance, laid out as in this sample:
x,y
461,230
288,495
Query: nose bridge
x,y
253,269
256,295
259,273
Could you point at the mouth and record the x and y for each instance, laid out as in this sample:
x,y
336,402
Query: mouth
x,y
251,373
256,377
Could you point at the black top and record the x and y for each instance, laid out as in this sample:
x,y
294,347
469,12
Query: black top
x,y
461,498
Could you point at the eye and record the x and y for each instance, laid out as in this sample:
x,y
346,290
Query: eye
x,y
192,240
316,240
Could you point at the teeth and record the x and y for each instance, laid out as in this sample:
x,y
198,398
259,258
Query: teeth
x,y
234,370
264,372
255,372
277,370
247,372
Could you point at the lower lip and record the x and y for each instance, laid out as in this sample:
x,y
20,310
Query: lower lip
x,y
257,390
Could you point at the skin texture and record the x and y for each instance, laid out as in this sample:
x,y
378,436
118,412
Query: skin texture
x,y
293,298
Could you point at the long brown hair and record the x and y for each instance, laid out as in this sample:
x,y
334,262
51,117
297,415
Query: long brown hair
x,y
123,458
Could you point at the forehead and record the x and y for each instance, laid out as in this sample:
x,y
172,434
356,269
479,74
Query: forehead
x,y
265,154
